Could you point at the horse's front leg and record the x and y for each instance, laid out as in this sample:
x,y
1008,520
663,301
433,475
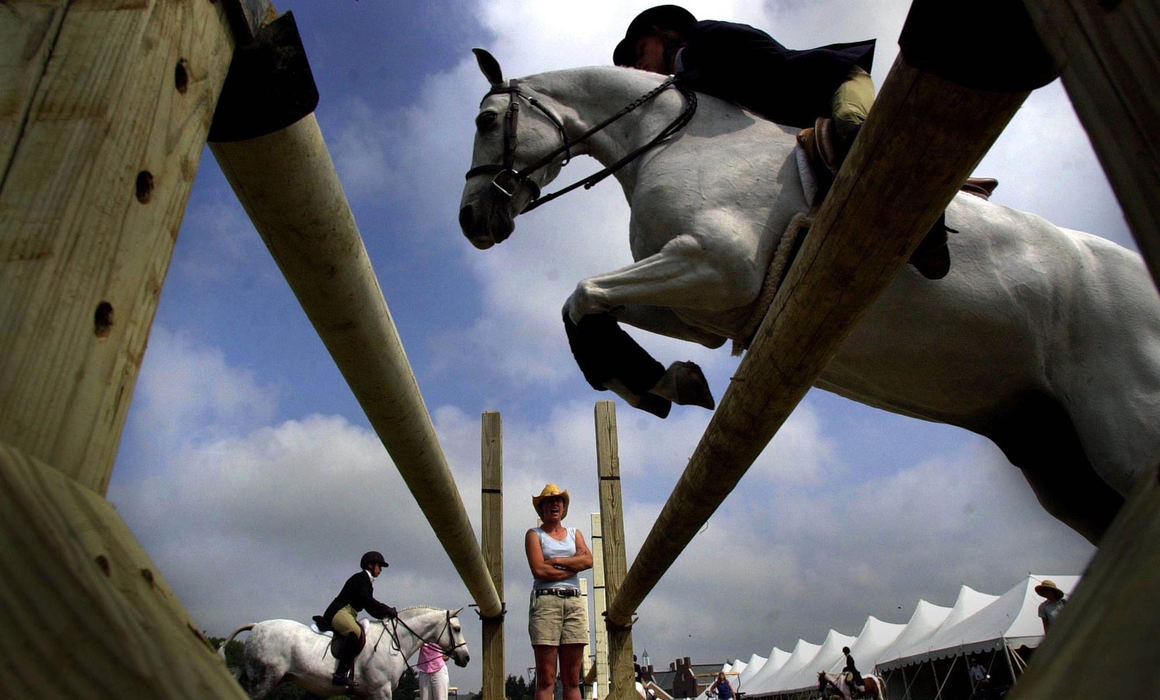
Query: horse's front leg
x,y
682,274
686,273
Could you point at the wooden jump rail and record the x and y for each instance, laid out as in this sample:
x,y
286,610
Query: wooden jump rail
x,y
287,183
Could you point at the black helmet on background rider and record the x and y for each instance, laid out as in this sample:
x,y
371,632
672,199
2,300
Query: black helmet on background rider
x,y
373,558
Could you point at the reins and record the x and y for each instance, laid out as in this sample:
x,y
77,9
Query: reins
x,y
396,645
515,178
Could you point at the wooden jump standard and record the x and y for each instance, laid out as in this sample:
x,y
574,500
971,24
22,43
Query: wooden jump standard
x,y
110,110
287,183
106,112
1107,52
491,542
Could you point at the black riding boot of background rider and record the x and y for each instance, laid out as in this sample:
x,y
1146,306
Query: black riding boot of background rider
x,y
932,257
344,645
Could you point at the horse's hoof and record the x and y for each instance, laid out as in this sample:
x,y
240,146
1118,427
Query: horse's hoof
x,y
655,405
684,383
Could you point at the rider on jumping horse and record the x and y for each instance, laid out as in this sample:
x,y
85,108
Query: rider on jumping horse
x,y
357,594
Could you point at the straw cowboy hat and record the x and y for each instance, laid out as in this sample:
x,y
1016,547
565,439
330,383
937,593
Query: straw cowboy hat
x,y
551,491
1048,589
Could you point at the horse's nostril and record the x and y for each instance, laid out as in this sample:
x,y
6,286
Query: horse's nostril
x,y
465,218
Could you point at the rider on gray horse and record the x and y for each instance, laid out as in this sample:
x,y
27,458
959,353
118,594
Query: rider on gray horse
x,y
357,594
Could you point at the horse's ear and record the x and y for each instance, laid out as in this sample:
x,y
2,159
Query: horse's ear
x,y
489,66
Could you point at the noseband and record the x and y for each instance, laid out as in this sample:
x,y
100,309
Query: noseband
x,y
508,180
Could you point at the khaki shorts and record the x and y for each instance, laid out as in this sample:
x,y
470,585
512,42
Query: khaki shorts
x,y
554,620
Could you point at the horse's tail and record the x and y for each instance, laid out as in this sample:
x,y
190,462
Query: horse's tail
x,y
222,648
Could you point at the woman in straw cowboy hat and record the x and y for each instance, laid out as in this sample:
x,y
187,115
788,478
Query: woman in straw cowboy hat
x,y
557,616
1049,609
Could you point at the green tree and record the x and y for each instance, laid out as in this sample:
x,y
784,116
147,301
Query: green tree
x,y
517,689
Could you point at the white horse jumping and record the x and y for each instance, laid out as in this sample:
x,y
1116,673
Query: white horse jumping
x,y
1043,339
278,650
874,685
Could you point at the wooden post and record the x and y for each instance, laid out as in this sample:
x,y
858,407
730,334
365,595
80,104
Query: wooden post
x,y
491,482
923,137
612,540
288,185
599,607
106,112
1107,55
585,662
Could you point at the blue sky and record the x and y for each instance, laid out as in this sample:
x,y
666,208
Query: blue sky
x,y
250,474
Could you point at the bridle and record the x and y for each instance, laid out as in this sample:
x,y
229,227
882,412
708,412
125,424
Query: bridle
x,y
508,180
395,644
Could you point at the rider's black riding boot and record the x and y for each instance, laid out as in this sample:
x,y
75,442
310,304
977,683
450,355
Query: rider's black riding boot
x,y
344,670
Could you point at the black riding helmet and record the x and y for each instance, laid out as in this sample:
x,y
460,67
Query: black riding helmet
x,y
373,558
671,17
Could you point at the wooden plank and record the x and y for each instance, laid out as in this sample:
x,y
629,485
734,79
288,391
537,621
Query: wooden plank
x,y
1104,643
101,142
620,664
85,612
491,542
922,139
288,185
1107,52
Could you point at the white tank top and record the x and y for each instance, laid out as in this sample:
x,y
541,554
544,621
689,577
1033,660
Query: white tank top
x,y
552,547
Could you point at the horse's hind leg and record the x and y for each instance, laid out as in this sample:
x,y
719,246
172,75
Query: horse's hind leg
x,y
611,359
1037,435
260,680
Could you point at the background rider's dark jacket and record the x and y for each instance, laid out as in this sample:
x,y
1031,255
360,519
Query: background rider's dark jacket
x,y
358,592
742,64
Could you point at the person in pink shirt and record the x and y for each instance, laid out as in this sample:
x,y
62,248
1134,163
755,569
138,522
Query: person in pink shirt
x,y
432,668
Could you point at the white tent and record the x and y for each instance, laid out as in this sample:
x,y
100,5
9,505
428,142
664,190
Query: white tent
x,y
830,651
759,665
1011,619
967,604
765,681
924,622
867,649
977,623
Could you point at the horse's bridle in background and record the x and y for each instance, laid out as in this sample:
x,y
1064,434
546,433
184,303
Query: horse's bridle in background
x,y
396,621
508,180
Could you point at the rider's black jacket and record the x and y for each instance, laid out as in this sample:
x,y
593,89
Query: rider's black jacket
x,y
744,65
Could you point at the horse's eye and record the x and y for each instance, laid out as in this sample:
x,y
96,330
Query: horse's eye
x,y
485,120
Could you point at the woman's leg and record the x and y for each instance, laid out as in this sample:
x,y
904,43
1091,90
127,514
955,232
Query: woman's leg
x,y
571,660
546,659
425,690
440,684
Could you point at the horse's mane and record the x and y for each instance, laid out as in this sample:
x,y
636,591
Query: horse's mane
x,y
422,607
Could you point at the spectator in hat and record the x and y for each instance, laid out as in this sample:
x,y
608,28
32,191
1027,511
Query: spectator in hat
x,y
1049,609
557,615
